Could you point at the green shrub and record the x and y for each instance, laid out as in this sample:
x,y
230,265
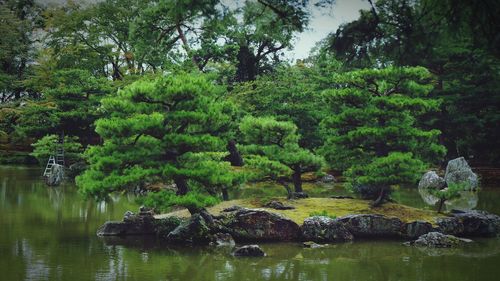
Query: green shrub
x,y
163,200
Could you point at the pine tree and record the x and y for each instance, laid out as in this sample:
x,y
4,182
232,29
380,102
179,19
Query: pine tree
x,y
374,133
165,129
276,145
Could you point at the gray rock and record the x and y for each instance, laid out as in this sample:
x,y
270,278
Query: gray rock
x,y
223,239
470,223
324,229
56,175
416,229
249,251
312,245
128,216
430,180
232,209
369,225
458,171
260,225
328,179
438,240
299,195
196,230
277,205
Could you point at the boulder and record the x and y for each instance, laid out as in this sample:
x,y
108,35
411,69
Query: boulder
x,y
277,205
299,195
249,251
324,229
327,179
196,230
438,240
416,229
430,180
458,171
470,223
260,225
222,239
232,209
369,225
56,175
131,225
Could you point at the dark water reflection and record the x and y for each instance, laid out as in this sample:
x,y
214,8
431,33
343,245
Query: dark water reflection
x,y
49,234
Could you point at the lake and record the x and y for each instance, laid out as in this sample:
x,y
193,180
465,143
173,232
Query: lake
x,y
49,234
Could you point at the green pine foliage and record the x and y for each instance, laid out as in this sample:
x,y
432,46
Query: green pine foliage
x,y
273,149
164,129
163,200
46,147
373,131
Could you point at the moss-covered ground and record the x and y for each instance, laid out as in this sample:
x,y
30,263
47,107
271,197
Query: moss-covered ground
x,y
333,207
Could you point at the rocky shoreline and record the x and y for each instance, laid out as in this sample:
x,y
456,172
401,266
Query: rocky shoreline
x,y
244,225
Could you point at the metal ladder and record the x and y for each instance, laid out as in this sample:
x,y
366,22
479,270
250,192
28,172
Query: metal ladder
x,y
60,150
48,168
58,158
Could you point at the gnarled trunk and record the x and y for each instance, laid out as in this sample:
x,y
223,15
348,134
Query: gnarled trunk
x,y
234,156
297,180
381,197
225,195
182,186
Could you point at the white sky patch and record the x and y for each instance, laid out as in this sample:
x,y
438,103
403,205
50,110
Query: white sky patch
x,y
324,22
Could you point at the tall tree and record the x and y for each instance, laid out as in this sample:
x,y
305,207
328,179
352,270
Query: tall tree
x,y
372,132
278,141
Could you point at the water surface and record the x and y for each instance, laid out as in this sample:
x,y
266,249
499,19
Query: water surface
x,y
49,234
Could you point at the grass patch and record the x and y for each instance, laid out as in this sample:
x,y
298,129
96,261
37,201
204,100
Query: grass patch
x,y
333,207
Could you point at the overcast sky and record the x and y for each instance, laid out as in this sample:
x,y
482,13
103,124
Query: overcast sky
x,y
324,22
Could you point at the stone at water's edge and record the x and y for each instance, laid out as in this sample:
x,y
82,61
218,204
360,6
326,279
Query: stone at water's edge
x,y
223,239
195,230
249,251
324,229
56,175
458,171
368,225
417,228
438,240
143,223
430,180
471,223
260,225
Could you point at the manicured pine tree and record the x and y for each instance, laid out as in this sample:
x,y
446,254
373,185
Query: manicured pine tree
x,y
373,132
277,141
161,130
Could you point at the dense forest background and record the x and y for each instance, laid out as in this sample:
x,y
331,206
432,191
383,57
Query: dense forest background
x,y
411,82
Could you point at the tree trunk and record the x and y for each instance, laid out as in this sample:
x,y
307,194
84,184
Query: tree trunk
x,y
182,186
225,195
288,190
381,197
297,180
441,204
234,156
246,70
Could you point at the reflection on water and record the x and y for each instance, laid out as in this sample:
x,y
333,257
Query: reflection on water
x,y
49,234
